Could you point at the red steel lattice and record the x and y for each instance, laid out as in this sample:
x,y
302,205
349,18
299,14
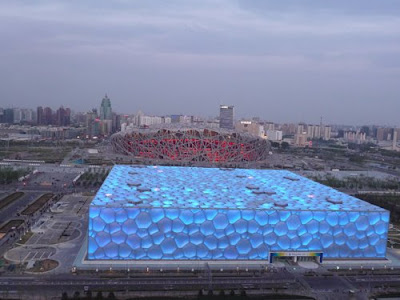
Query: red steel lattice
x,y
191,145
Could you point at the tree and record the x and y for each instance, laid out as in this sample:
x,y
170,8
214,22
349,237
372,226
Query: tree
x,y
274,144
285,145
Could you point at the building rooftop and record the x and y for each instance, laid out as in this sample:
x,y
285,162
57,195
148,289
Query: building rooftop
x,y
213,188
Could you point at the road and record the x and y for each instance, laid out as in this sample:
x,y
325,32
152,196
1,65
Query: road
x,y
10,210
321,287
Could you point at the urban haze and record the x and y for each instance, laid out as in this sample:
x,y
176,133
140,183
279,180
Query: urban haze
x,y
286,61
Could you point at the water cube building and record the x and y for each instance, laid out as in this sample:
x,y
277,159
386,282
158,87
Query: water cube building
x,y
182,213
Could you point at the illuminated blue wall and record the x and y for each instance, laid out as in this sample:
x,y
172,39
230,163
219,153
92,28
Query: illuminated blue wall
x,y
209,213
221,234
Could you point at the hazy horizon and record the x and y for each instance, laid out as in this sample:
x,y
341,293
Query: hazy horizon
x,y
284,62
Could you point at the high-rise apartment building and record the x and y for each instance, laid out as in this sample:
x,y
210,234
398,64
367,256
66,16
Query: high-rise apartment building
x,y
17,115
354,136
327,133
9,115
63,116
384,134
394,145
47,116
226,117
105,109
301,128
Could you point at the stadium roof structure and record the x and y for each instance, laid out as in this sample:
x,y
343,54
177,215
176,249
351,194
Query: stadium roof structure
x,y
220,188
194,144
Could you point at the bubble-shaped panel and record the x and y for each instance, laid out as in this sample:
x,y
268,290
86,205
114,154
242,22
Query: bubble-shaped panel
x,y
176,217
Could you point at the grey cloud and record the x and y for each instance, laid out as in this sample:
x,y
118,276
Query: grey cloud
x,y
283,61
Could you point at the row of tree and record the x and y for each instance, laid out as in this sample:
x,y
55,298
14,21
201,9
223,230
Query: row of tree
x,y
91,178
359,182
8,174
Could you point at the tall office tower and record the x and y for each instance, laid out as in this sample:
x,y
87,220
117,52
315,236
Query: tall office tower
x,y
92,124
39,115
116,122
105,109
226,117
394,146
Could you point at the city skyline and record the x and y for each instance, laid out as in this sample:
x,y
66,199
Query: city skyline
x,y
284,62
211,116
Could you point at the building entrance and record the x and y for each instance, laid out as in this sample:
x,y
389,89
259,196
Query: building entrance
x,y
296,256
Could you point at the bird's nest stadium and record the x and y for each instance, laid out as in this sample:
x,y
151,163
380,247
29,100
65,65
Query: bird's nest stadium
x,y
190,145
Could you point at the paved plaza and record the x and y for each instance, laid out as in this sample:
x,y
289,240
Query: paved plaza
x,y
57,235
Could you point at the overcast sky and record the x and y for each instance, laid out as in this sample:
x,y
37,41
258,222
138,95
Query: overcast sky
x,y
284,61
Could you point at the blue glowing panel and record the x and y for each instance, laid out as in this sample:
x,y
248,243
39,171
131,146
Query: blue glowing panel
x,y
177,213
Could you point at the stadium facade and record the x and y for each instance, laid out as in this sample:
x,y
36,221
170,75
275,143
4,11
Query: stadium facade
x,y
182,214
190,145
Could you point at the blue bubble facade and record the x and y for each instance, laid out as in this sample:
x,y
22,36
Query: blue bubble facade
x,y
181,213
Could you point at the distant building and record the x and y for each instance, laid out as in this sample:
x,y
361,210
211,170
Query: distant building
x,y
269,126
327,133
394,145
48,116
63,116
8,116
105,109
39,116
289,129
92,124
313,131
384,134
17,115
274,135
318,131
355,136
301,127
226,117
250,127
181,119
116,122
300,139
